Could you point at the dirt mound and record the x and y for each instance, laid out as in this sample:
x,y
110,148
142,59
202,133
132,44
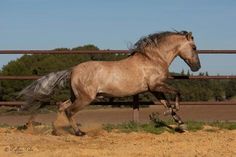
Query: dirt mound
x,y
98,143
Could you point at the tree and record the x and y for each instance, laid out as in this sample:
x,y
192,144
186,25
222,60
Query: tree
x,y
230,89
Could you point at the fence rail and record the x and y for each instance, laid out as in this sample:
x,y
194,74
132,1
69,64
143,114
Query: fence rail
x,y
120,103
171,77
135,101
99,51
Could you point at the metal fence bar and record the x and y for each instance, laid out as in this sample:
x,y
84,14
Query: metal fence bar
x,y
204,77
171,77
197,103
63,52
19,77
99,51
12,103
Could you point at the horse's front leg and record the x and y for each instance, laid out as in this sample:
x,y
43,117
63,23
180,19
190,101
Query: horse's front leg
x,y
164,101
158,92
161,88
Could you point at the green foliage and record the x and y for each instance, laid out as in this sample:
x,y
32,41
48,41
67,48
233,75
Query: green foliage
x,y
224,125
194,126
131,126
155,128
4,125
230,89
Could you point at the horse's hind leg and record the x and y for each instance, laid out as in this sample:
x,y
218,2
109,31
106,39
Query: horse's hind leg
x,y
77,105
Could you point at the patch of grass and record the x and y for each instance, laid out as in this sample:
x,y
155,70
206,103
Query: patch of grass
x,y
152,128
194,126
3,125
135,127
224,125
158,126
129,127
109,127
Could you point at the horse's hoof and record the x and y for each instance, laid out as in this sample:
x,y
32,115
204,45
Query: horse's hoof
x,y
80,133
181,128
55,133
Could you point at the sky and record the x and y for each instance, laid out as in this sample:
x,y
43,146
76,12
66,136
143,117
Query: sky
x,y
114,24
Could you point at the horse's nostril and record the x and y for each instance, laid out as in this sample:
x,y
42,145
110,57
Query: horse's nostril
x,y
196,67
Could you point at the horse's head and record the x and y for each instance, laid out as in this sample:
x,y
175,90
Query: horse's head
x,y
188,52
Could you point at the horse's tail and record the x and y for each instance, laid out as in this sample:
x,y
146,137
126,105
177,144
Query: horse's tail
x,y
43,88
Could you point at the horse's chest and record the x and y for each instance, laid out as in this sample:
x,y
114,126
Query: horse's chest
x,y
155,77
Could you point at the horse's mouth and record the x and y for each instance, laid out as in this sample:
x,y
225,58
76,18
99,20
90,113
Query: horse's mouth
x,y
193,66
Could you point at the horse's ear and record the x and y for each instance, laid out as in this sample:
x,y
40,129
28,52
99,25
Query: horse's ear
x,y
189,36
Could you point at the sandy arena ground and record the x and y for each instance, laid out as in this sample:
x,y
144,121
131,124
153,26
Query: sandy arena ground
x,y
99,143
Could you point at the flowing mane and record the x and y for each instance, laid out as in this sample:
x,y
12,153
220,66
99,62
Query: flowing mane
x,y
152,40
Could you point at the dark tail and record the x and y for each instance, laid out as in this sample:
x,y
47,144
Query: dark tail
x,y
43,88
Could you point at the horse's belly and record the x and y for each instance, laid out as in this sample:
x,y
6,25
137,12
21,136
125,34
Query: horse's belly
x,y
122,88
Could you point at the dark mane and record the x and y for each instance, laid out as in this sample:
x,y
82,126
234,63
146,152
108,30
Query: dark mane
x,y
153,40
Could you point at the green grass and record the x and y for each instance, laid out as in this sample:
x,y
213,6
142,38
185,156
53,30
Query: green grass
x,y
224,125
194,125
157,126
162,126
3,125
131,126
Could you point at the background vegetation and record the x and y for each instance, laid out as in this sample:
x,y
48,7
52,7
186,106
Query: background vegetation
x,y
194,90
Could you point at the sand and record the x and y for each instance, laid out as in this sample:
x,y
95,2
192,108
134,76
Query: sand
x,y
99,143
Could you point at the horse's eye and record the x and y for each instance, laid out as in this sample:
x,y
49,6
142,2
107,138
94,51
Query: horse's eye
x,y
194,47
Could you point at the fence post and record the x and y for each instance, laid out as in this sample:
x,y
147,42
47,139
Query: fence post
x,y
136,108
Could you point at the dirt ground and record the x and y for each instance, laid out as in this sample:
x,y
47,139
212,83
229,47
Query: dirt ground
x,y
99,143
119,115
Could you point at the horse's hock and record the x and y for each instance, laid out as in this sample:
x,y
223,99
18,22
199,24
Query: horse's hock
x,y
61,124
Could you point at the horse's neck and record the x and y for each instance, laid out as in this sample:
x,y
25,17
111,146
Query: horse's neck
x,y
170,56
162,55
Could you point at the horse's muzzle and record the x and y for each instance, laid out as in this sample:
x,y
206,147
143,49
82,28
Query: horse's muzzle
x,y
195,67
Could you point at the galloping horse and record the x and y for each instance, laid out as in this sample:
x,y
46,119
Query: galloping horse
x,y
146,69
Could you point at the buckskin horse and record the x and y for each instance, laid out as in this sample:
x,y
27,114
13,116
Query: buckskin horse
x,y
146,69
